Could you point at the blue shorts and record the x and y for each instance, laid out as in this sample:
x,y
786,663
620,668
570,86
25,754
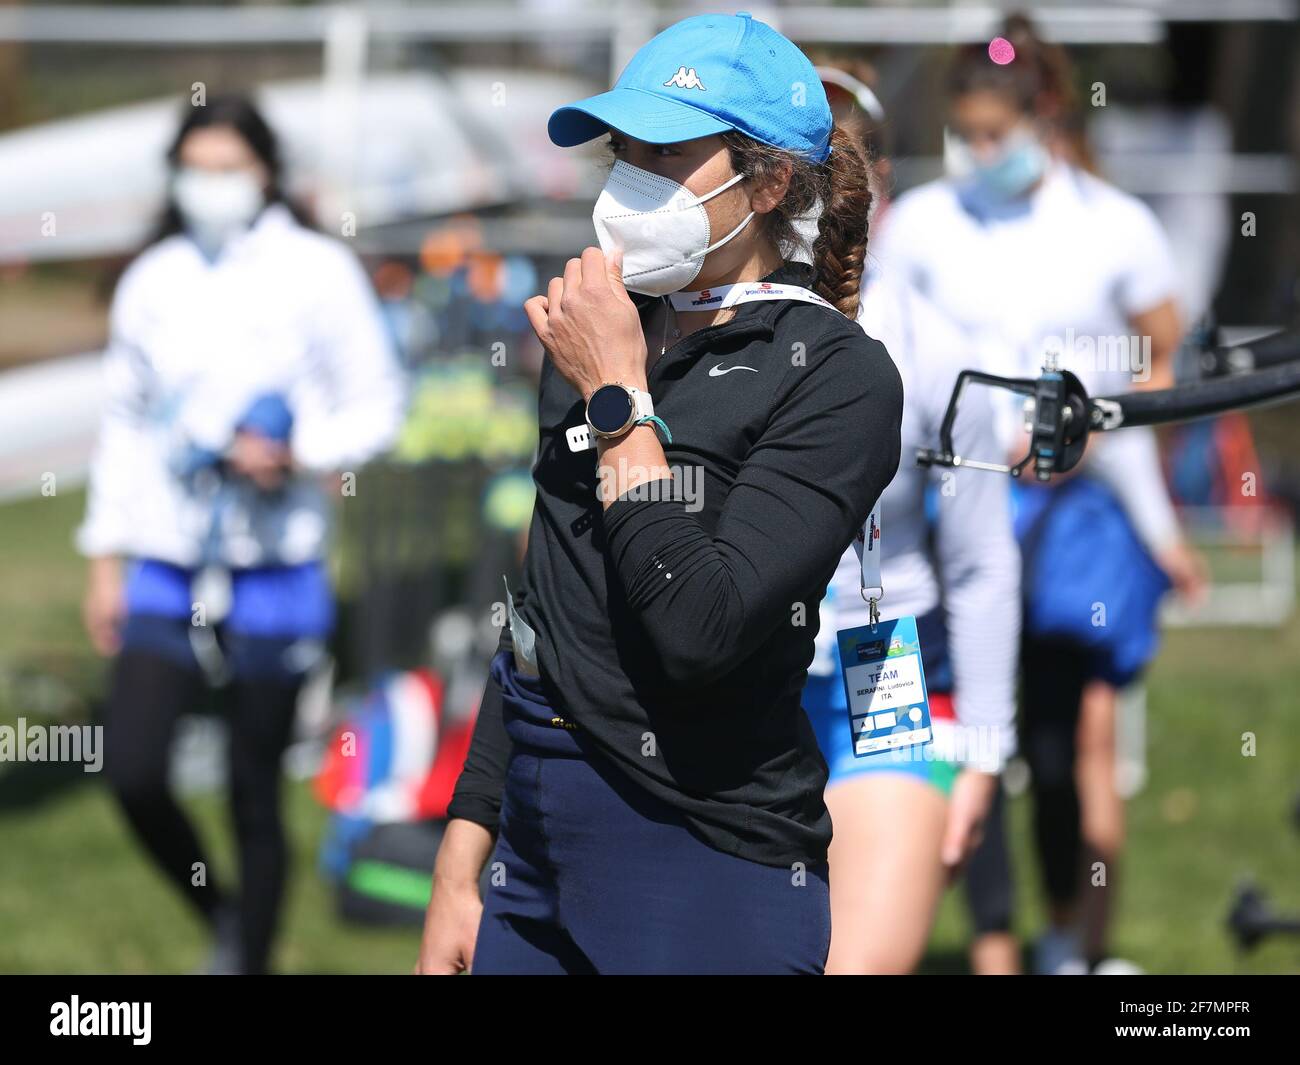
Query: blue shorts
x,y
592,874
279,619
826,705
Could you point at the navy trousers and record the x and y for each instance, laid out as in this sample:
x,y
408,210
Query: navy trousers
x,y
591,874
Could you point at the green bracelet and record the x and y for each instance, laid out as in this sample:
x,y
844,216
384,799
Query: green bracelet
x,y
654,418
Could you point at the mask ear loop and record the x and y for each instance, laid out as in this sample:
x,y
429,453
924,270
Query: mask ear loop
x,y
721,188
720,243
700,201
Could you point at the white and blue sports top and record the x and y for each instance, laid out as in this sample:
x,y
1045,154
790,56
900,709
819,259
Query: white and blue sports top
x,y
1067,268
193,343
969,560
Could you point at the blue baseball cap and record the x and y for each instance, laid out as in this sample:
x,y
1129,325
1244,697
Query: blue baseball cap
x,y
708,74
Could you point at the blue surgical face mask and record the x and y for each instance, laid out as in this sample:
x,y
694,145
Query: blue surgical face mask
x,y
1017,167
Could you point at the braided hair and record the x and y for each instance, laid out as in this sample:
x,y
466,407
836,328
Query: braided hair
x,y
841,185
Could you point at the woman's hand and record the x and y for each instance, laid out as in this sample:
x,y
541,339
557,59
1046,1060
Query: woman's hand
x,y
103,608
262,460
450,929
590,326
451,921
1187,570
972,796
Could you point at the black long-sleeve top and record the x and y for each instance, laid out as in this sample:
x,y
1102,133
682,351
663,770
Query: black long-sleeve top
x,y
676,631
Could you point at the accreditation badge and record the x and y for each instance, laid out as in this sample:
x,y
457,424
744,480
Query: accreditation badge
x,y
884,684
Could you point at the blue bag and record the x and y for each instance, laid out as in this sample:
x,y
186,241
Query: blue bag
x,y
1088,579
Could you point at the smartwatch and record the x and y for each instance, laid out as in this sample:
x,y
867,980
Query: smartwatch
x,y
614,408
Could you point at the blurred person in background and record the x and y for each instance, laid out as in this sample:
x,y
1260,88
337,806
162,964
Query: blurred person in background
x,y
248,362
906,822
1029,252
641,757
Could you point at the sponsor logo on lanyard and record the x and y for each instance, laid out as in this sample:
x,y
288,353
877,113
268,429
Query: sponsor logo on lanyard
x,y
744,292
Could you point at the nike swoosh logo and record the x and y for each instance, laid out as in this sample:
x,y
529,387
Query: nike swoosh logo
x,y
718,371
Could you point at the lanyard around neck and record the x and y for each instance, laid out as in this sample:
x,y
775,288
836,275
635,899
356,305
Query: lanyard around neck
x,y
867,545
714,299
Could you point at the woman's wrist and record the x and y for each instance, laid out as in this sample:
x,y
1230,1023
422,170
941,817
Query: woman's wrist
x,y
462,854
628,461
630,378
454,886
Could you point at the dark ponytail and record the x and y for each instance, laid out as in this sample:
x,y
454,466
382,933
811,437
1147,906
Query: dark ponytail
x,y
842,185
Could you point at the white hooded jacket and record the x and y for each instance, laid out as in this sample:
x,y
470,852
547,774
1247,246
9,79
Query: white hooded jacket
x,y
192,344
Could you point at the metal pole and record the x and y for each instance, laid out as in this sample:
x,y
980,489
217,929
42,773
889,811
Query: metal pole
x,y
346,44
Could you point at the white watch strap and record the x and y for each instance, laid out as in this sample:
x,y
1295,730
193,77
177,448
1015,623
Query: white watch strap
x,y
581,438
642,404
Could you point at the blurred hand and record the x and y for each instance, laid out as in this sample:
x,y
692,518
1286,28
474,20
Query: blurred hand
x,y
262,460
972,796
103,609
1161,376
451,921
450,929
1187,570
590,325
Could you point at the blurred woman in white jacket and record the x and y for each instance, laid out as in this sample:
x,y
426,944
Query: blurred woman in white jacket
x,y
248,365
1033,256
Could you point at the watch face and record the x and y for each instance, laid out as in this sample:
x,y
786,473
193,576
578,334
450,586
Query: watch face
x,y
610,409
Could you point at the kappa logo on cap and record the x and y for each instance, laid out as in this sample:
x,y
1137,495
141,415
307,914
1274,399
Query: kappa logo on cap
x,y
686,79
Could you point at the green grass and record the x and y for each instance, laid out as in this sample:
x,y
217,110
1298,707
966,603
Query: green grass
x,y
1207,817
75,895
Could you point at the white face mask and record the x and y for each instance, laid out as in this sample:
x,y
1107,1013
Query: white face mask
x,y
215,206
661,226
